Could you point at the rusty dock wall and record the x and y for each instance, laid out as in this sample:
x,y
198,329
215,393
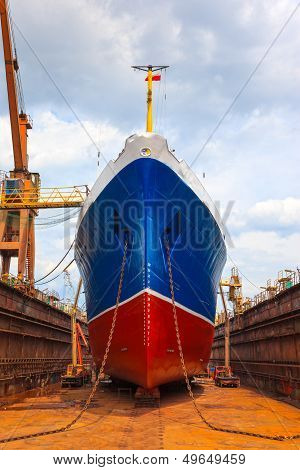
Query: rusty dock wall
x,y
35,341
265,344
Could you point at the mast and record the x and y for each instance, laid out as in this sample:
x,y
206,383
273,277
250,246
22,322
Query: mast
x,y
149,125
149,69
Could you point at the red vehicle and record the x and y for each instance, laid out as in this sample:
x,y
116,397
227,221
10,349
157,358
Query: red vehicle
x,y
217,370
224,377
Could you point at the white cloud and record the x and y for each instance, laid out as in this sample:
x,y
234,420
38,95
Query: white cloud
x,y
56,143
260,255
205,45
277,212
62,151
268,246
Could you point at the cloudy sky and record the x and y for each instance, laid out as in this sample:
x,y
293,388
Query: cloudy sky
x,y
85,95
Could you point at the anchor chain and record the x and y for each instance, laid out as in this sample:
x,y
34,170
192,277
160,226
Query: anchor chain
x,y
95,386
188,385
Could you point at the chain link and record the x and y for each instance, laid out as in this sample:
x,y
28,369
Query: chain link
x,y
188,385
95,386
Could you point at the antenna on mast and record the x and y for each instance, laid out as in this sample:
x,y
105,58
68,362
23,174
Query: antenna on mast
x,y
150,78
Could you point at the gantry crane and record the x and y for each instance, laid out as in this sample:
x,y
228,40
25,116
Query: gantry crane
x,y
21,195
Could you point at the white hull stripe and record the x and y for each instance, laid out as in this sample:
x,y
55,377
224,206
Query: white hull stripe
x,y
159,296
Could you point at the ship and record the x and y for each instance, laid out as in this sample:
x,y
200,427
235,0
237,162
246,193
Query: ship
x,y
148,212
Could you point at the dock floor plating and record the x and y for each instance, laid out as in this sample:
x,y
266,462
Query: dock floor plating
x,y
113,422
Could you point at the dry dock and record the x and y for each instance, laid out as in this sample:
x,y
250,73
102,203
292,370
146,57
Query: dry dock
x,y
35,339
113,422
265,342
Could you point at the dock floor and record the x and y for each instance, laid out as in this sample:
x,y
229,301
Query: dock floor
x,y
113,422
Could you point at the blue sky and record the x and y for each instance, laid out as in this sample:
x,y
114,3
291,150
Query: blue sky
x,y
88,46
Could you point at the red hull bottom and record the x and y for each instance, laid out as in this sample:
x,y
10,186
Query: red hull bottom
x,y
144,348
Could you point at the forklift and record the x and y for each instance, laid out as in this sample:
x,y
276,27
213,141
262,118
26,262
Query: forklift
x,y
77,374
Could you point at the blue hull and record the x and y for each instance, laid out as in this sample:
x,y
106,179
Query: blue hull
x,y
147,201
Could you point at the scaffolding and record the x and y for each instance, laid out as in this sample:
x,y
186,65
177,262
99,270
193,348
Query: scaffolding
x,y
286,279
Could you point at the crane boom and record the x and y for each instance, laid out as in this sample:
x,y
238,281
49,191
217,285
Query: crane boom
x,y
20,193
19,121
17,225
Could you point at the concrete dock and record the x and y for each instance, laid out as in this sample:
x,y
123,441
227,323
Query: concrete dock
x,y
113,421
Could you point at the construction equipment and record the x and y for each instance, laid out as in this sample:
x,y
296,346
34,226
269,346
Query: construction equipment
x,y
21,194
235,295
17,227
224,377
68,287
77,374
286,279
270,289
235,291
227,329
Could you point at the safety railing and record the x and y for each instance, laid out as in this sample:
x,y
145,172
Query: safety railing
x,y
42,198
285,280
48,297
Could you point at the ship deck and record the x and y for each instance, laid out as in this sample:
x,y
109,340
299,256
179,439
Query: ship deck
x,y
113,421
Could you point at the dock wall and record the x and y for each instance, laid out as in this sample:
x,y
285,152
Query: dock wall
x,y
265,344
35,341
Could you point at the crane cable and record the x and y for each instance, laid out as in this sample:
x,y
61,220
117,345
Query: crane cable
x,y
243,275
55,219
58,264
53,279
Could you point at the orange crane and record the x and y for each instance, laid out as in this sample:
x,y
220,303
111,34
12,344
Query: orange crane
x,y
77,374
17,227
21,195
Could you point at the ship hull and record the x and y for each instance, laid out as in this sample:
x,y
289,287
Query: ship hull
x,y
144,348
146,202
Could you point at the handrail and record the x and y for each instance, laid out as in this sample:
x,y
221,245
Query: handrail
x,y
282,284
48,298
42,198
